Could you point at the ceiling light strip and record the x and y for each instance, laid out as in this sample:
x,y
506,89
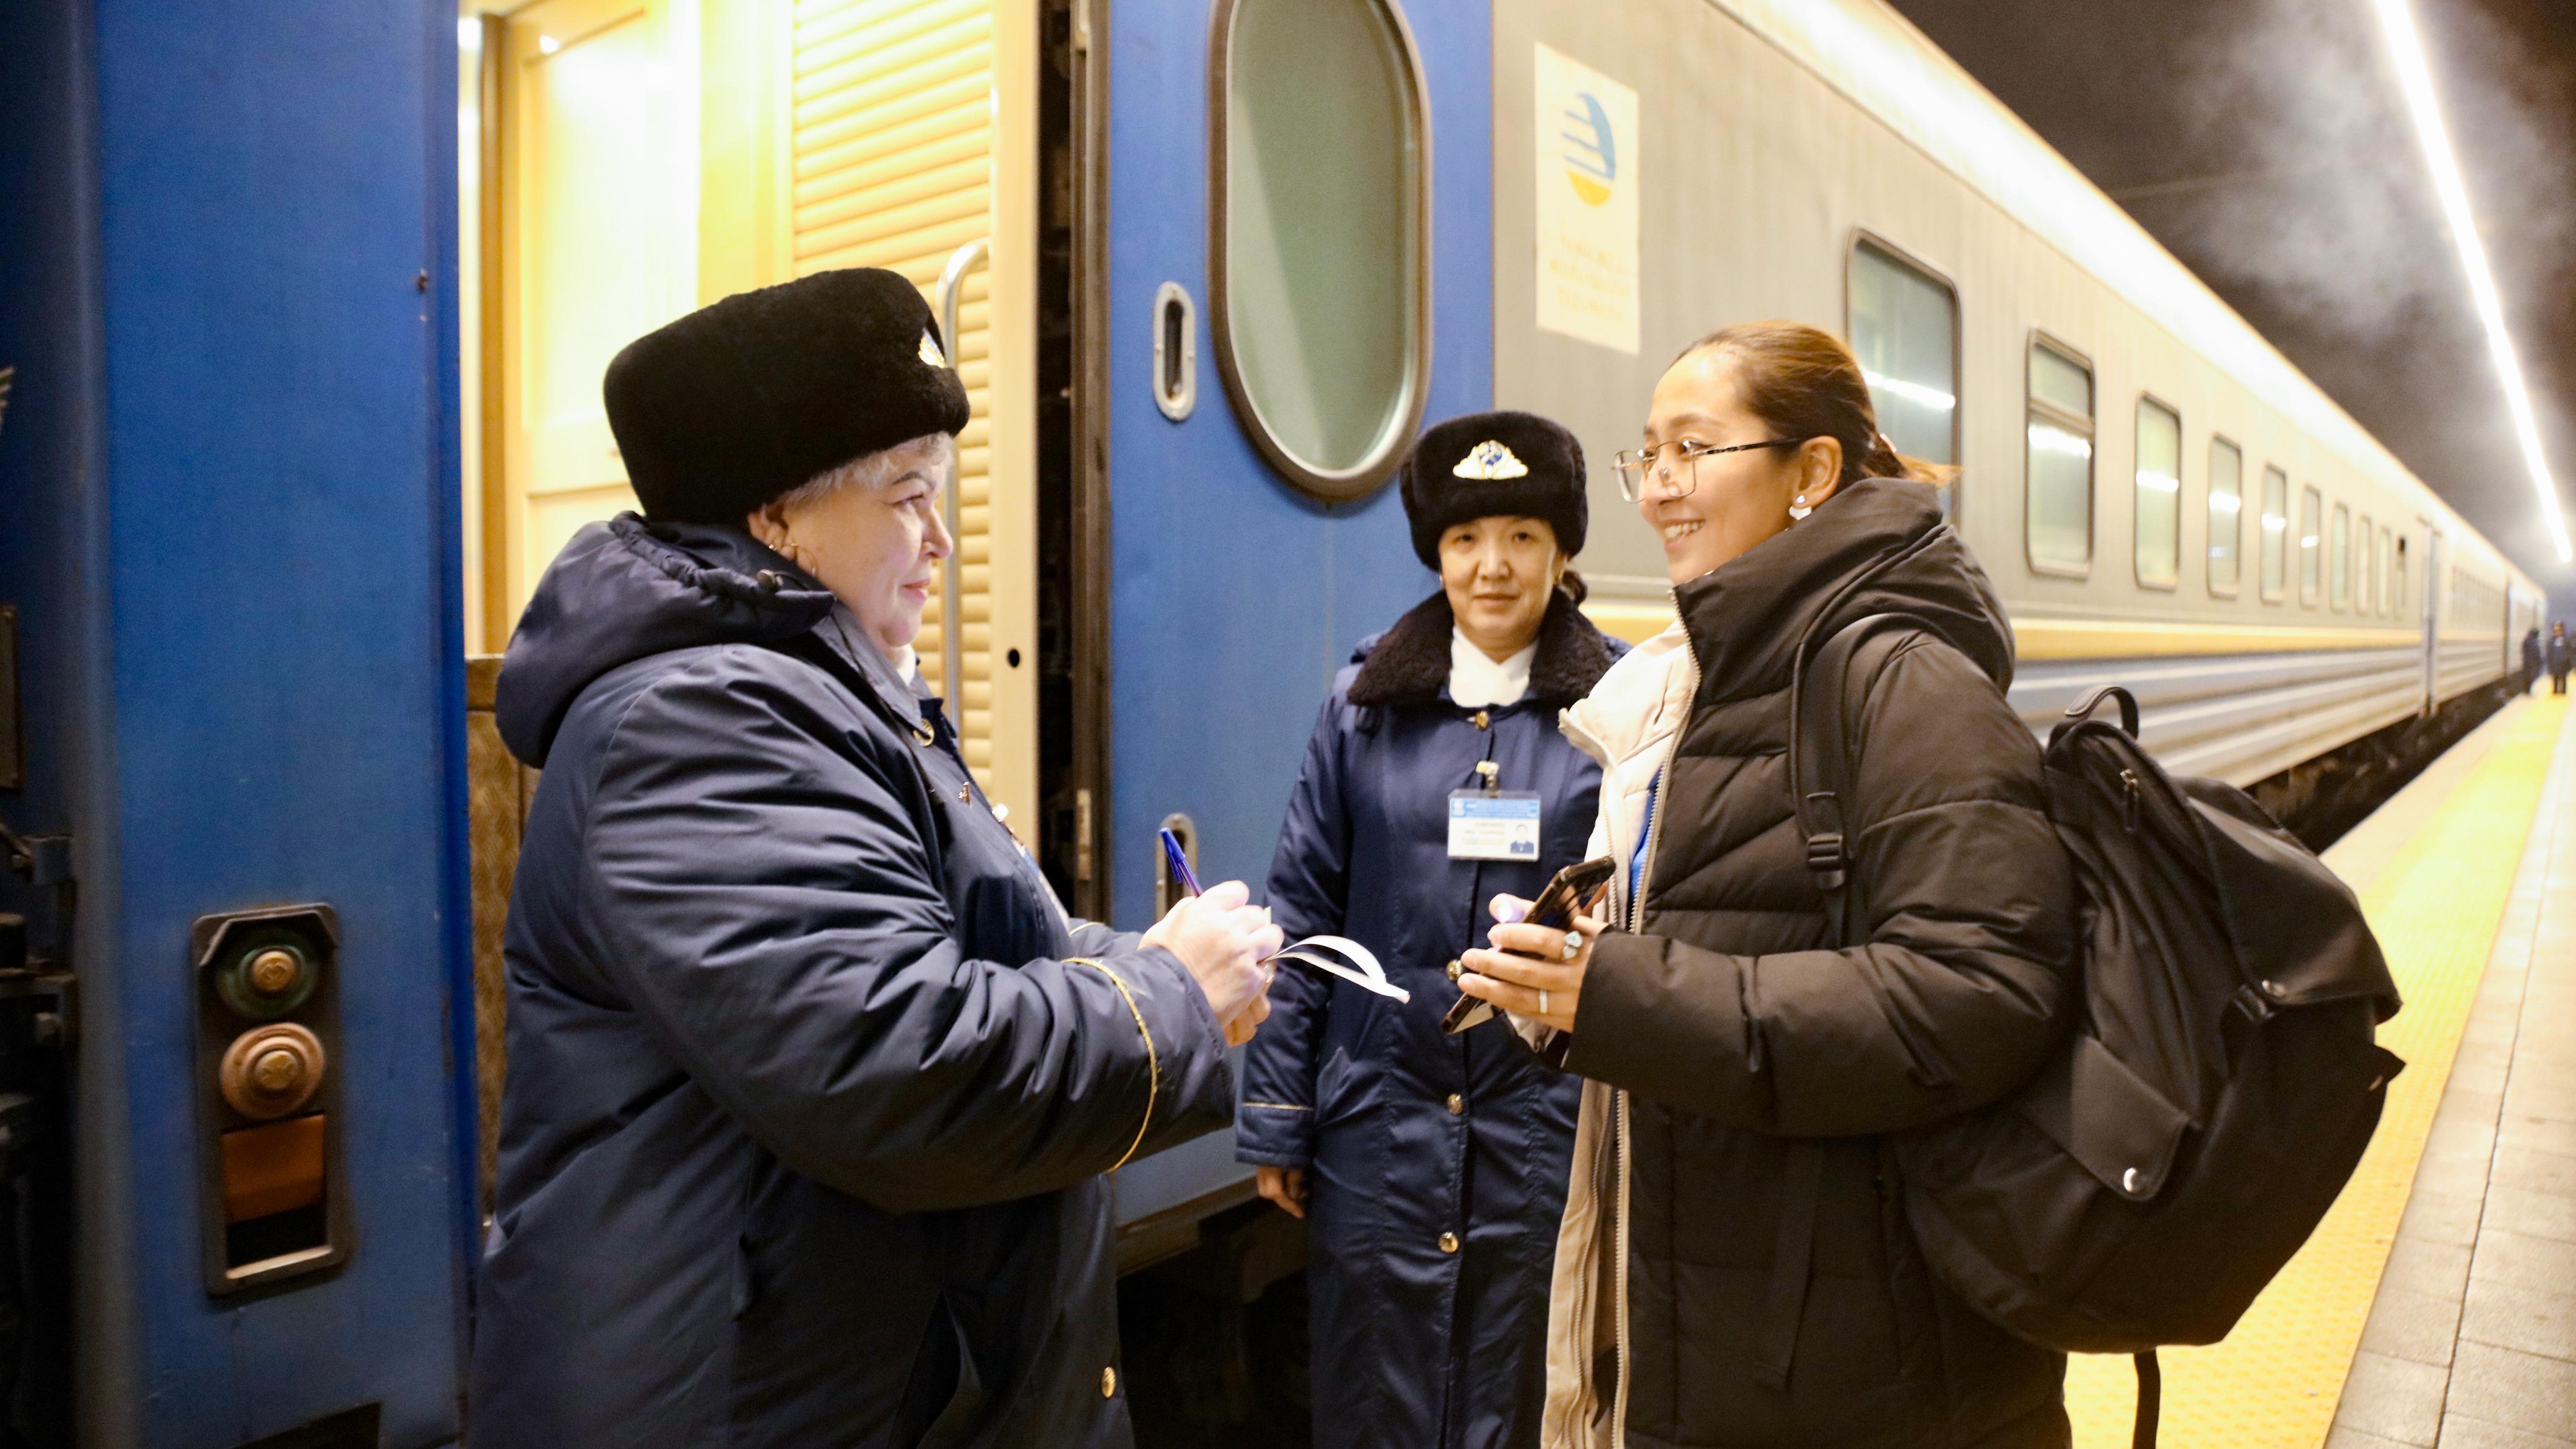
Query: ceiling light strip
x,y
2415,77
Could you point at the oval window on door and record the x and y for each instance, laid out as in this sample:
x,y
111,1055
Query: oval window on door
x,y
1320,230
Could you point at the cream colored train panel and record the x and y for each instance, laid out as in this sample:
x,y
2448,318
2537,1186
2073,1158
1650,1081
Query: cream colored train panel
x,y
1776,139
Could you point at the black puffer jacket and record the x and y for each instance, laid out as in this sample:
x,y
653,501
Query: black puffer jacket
x,y
1760,1069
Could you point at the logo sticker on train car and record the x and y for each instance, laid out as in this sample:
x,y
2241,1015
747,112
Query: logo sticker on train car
x,y
1587,203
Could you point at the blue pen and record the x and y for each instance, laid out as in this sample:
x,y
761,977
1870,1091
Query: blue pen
x,y
1179,861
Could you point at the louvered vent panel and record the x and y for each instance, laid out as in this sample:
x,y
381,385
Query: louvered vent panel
x,y
894,168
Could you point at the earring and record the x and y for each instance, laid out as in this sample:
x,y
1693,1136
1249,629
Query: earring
x,y
1798,509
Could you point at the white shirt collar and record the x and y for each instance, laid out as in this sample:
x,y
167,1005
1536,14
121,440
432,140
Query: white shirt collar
x,y
1478,681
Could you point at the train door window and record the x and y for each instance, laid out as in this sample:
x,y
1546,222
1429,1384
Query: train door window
x,y
2226,516
1320,243
2059,461
2276,535
2365,564
2403,596
2339,558
2159,495
2390,586
1905,331
2312,542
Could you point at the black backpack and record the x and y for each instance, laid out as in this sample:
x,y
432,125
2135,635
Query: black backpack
x,y
2220,1083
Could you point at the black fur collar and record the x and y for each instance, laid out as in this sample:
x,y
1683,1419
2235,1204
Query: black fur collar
x,y
1410,662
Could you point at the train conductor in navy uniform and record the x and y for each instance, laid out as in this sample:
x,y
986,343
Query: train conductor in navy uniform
x,y
1431,1168
812,1084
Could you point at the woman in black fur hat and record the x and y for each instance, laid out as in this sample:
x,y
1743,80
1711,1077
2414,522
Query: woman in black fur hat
x,y
812,1085
1431,1168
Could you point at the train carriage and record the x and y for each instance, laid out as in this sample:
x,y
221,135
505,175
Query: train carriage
x,y
1207,265
1275,238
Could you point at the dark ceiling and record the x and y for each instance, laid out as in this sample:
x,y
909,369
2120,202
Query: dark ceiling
x,y
2265,143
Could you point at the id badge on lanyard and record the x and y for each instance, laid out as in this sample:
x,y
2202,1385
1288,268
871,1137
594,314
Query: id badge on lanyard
x,y
1493,824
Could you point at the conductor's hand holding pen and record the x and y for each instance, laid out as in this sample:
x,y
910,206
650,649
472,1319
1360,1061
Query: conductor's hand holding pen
x,y
1535,971
1227,943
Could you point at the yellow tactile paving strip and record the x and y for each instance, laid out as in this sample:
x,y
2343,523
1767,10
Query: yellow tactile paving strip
x,y
2275,1381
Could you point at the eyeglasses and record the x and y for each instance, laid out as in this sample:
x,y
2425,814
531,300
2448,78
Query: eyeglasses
x,y
1679,462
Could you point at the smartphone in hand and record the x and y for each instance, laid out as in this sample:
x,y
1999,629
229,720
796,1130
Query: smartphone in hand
x,y
1574,888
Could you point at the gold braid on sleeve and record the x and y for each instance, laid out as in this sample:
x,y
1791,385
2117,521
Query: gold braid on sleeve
x,y
1153,1063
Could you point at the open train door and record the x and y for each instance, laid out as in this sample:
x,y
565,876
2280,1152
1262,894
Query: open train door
x,y
641,158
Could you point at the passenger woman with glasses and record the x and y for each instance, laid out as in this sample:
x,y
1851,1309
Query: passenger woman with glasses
x,y
1734,1265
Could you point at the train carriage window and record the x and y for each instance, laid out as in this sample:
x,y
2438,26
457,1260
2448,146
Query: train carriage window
x,y
2403,600
2312,540
2226,515
2365,564
1320,237
2391,583
2060,461
2276,535
1905,331
2159,495
2339,558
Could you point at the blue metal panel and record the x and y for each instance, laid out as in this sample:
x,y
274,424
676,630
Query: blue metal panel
x,y
1233,598
284,696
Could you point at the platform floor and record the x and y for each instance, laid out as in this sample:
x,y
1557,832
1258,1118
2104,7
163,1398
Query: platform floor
x,y
2436,1305
2472,1342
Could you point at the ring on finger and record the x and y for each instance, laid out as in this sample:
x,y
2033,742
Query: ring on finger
x,y
1573,944
1542,1001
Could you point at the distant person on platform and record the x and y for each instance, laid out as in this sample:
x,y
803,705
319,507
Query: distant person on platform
x,y
2531,660
2560,657
812,1083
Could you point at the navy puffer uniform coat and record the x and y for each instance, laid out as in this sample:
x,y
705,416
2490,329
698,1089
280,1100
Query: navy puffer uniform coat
x,y
1436,1163
809,1096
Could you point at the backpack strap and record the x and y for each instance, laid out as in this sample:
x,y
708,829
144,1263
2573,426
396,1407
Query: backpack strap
x,y
1820,764
2151,1386
1792,1264
1819,775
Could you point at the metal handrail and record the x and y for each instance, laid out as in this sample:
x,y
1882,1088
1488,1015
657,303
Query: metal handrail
x,y
952,612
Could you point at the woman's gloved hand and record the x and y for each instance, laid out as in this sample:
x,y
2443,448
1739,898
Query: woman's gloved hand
x,y
1224,941
1546,990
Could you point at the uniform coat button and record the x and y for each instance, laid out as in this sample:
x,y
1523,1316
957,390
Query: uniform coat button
x,y
1448,1242
1457,1105
1455,971
1109,1382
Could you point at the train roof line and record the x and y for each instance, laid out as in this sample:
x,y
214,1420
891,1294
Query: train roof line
x,y
1884,64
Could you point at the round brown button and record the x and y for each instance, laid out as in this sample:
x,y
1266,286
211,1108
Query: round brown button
x,y
1109,1382
1484,720
1448,1242
277,1072
271,1070
272,971
1456,971
1457,1105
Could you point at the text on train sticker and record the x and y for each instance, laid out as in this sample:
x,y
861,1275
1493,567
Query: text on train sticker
x,y
1587,203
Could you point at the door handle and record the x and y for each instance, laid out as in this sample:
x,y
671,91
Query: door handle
x,y
952,624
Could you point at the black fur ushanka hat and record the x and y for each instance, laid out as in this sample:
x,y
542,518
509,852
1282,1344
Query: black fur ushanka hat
x,y
1483,464
751,397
